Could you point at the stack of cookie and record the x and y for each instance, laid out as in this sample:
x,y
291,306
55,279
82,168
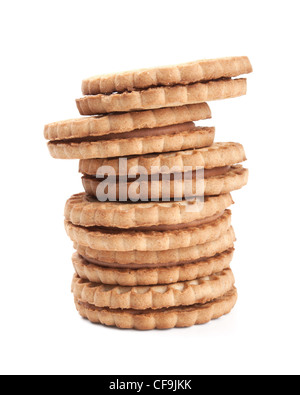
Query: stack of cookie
x,y
152,232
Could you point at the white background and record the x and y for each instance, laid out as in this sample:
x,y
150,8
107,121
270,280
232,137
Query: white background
x,y
47,48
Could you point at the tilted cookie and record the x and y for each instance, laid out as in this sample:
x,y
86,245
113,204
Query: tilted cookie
x,y
82,210
155,259
161,97
214,156
179,317
182,74
111,239
184,185
154,276
116,124
201,290
168,139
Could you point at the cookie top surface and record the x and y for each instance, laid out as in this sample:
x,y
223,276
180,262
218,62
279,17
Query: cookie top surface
x,y
182,74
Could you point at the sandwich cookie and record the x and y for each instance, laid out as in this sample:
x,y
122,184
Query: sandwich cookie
x,y
201,290
182,74
84,211
161,97
165,318
135,133
96,273
170,175
161,232
153,238
159,259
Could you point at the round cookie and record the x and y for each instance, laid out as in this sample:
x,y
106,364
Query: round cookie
x,y
161,97
216,155
182,74
135,133
233,178
159,259
201,290
154,276
83,211
169,175
99,126
112,239
189,136
179,317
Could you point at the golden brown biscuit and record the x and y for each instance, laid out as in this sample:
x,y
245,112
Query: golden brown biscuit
x,y
182,74
82,210
147,176
201,290
126,122
233,178
179,317
161,97
152,276
132,240
154,259
216,155
98,147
